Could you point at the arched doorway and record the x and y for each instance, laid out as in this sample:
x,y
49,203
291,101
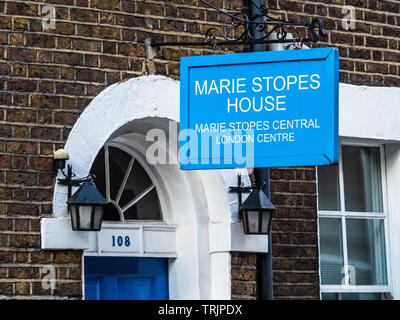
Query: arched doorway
x,y
132,198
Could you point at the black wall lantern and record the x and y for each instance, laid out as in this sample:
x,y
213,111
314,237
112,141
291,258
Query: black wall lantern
x,y
86,206
256,211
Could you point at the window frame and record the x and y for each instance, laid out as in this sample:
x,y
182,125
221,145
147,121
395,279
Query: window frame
x,y
134,158
343,214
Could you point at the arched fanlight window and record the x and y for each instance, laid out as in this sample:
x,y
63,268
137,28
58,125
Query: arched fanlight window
x,y
125,184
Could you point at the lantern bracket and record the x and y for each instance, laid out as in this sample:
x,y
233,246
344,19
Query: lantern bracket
x,y
70,182
239,30
240,189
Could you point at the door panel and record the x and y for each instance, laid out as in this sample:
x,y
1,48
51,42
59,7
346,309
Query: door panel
x,y
134,288
92,288
116,278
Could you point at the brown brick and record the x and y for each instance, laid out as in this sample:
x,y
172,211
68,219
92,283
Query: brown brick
x,y
22,147
25,209
377,68
45,56
392,56
18,8
303,187
376,42
67,73
91,60
3,38
70,88
21,85
22,225
45,133
375,17
46,179
21,132
392,81
6,23
22,288
173,69
83,15
69,273
67,257
84,30
6,257
131,50
113,62
69,58
86,45
43,164
41,195
128,21
151,9
64,28
24,178
44,101
39,71
90,75
63,43
24,241
108,5
17,39
109,47
44,257
19,162
243,274
5,161
128,35
282,174
128,6
6,288
41,40
106,32
5,223
93,90
344,38
5,131
24,273
69,289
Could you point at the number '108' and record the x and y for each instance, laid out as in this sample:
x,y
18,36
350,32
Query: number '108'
x,y
121,241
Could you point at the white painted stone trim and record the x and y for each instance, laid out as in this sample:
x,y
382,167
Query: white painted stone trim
x,y
57,234
149,240
369,112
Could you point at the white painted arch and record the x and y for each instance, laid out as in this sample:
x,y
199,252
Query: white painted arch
x,y
196,203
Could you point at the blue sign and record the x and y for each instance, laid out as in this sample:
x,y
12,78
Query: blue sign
x,y
261,109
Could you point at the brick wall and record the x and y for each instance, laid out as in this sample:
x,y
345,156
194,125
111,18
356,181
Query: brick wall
x,y
370,53
244,276
295,233
47,78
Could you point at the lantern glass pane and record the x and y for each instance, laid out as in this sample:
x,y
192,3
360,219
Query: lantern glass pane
x,y
253,221
98,216
266,218
85,216
72,210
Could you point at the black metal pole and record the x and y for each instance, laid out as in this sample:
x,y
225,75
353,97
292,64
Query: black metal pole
x,y
264,261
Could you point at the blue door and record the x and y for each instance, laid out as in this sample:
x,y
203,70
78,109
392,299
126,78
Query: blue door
x,y
116,278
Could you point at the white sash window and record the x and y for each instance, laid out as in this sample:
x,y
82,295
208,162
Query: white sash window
x,y
353,225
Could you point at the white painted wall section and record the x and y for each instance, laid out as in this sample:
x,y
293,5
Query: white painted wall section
x,y
369,112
